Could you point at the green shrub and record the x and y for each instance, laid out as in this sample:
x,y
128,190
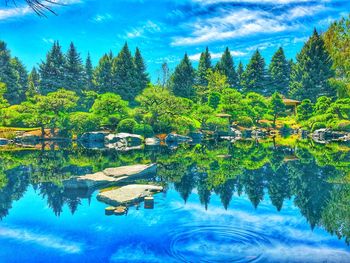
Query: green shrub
x,y
245,121
265,125
184,125
80,122
339,125
144,130
126,125
216,123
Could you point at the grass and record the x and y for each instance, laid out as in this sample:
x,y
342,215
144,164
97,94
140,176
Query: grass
x,y
11,132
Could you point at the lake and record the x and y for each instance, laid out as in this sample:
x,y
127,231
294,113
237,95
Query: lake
x,y
248,201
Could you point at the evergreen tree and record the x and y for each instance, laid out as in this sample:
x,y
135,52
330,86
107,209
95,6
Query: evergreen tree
x,y
89,74
227,68
124,72
240,71
33,84
279,73
74,71
254,77
203,67
21,80
183,79
312,71
52,71
103,75
8,75
141,75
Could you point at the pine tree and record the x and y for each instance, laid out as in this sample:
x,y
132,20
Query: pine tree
x,y
103,75
183,79
52,71
33,84
74,71
240,71
279,73
203,67
141,76
227,68
21,80
254,77
123,72
89,73
312,71
8,75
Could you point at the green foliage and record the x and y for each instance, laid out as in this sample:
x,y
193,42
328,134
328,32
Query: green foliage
x,y
310,75
102,76
183,79
226,67
214,100
110,108
89,74
276,106
245,121
203,67
81,122
305,110
52,70
279,73
126,125
141,76
254,77
124,74
217,124
74,71
144,130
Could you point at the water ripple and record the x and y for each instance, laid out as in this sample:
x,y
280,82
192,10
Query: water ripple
x,y
217,244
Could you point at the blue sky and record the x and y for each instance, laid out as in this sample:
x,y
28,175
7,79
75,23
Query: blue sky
x,y
165,29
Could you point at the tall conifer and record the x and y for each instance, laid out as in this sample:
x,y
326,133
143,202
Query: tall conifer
x,y
279,73
203,67
52,71
312,71
74,71
183,79
254,77
226,67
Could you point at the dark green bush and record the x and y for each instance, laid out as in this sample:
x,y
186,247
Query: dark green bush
x,y
144,130
245,121
126,125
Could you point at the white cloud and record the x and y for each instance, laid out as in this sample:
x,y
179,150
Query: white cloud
x,y
148,27
48,40
209,2
53,242
231,23
100,18
196,57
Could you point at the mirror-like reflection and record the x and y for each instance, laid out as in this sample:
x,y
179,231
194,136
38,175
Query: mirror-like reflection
x,y
293,175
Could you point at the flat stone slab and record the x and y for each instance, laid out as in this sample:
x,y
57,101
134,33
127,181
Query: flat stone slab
x,y
128,194
110,176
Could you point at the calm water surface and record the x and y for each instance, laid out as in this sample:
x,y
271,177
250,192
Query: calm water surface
x,y
242,202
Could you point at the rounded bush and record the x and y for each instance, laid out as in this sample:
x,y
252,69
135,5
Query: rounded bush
x,y
144,130
126,125
245,121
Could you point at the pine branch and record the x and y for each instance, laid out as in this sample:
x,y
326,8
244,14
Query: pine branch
x,y
40,7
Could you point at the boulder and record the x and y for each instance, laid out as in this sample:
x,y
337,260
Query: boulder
x,y
152,141
128,194
27,138
4,141
125,138
93,136
327,135
110,176
175,138
196,137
